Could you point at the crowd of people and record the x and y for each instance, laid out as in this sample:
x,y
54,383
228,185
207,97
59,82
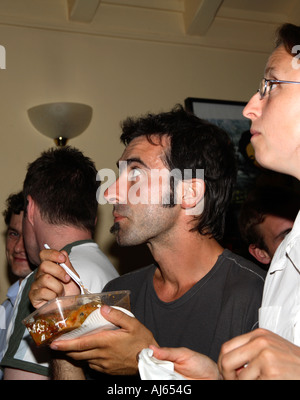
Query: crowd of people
x,y
213,313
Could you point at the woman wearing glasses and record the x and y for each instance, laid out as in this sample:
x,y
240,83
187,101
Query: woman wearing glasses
x,y
272,352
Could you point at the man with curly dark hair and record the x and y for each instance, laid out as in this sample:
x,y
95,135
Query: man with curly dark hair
x,y
272,351
19,266
196,294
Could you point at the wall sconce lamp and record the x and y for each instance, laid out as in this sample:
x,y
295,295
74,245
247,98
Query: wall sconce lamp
x,y
61,121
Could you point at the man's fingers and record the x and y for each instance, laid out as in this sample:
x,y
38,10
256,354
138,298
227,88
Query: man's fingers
x,y
249,371
165,353
53,255
38,299
239,353
236,342
47,281
117,317
51,277
52,269
45,288
81,344
232,364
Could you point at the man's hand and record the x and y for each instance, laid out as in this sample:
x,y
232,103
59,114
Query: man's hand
x,y
260,354
190,364
51,280
114,352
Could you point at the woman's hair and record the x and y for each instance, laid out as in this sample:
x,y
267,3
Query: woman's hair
x,y
288,35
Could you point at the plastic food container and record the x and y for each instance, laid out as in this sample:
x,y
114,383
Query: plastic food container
x,y
73,316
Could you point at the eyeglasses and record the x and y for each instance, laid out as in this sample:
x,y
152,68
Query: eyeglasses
x,y
266,86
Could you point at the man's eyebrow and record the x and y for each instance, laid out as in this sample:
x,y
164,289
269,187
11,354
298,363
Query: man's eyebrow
x,y
133,160
10,228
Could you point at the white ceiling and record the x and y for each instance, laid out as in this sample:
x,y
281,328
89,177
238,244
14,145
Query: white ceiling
x,y
245,25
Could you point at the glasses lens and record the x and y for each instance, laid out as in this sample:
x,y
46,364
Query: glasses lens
x,y
263,88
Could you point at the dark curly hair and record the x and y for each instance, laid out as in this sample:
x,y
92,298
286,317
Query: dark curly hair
x,y
14,205
195,144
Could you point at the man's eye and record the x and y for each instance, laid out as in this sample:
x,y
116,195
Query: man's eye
x,y
12,234
285,233
133,174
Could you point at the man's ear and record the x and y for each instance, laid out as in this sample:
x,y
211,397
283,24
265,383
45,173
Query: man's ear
x,y
30,209
193,191
261,255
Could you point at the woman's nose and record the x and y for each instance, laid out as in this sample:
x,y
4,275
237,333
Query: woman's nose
x,y
253,109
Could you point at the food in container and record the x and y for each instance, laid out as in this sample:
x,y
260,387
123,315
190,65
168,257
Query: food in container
x,y
74,313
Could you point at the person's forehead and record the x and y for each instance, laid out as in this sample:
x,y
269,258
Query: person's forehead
x,y
142,146
16,220
274,224
280,63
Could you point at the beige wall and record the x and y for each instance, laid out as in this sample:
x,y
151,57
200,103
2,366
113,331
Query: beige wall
x,y
117,77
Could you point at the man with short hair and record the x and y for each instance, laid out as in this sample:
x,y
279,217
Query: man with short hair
x,y
266,217
61,211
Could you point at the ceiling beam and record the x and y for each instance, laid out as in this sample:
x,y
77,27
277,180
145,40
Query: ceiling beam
x,y
82,10
199,15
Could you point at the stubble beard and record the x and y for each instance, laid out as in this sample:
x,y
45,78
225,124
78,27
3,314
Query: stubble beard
x,y
116,230
131,238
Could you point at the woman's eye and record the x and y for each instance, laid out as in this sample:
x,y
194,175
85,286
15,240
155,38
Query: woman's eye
x,y
133,174
272,86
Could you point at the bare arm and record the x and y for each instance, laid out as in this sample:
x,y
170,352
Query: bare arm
x,y
18,374
63,369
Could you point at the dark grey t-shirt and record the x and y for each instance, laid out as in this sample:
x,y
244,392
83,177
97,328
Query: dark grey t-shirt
x,y
222,305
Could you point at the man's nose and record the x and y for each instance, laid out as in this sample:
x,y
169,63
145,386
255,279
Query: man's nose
x,y
117,192
19,246
110,194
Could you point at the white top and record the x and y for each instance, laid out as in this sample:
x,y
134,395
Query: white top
x,y
280,310
93,267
